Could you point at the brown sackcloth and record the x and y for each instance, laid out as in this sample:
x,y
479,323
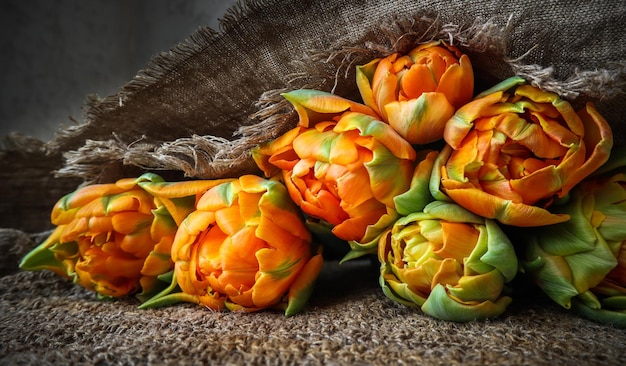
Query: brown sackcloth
x,y
197,110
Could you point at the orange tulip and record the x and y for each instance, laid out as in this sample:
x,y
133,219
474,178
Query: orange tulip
x,y
418,92
341,165
245,247
114,239
514,149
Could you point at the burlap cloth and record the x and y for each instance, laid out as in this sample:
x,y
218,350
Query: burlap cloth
x,y
194,113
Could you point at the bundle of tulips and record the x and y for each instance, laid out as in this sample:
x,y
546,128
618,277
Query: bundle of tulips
x,y
424,174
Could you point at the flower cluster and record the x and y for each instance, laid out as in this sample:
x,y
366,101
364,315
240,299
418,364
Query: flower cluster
x,y
422,173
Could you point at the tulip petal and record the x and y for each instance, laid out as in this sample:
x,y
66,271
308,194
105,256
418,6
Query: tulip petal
x,y
42,257
420,120
418,195
364,76
482,287
500,251
505,211
461,122
312,105
301,289
458,240
382,132
457,83
553,276
441,306
418,79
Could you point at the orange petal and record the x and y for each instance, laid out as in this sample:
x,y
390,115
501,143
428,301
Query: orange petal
x,y
505,211
218,197
229,220
449,273
457,83
418,79
598,141
421,120
459,240
462,121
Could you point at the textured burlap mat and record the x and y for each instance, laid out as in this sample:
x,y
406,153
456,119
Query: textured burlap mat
x,y
198,108
46,320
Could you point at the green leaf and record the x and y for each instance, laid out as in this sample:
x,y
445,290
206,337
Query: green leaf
x,y
41,258
617,303
166,297
614,318
356,253
168,300
502,86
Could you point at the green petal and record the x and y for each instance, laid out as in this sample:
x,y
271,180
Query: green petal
x,y
301,289
502,86
435,177
389,175
387,291
314,106
500,253
452,212
41,258
589,299
475,260
590,267
551,273
573,236
364,76
168,300
441,306
418,195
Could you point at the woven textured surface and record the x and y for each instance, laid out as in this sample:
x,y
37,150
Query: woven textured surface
x,y
47,320
195,112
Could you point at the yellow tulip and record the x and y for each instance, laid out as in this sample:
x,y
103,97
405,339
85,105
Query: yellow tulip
x,y
245,247
449,262
514,149
418,92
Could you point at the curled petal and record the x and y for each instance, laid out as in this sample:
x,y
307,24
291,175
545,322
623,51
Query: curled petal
x,y
313,104
505,211
441,305
420,120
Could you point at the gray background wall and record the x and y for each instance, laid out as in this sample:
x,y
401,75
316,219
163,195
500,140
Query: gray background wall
x,y
53,53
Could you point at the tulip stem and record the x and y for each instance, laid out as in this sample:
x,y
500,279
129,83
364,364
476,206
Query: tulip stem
x,y
167,300
165,297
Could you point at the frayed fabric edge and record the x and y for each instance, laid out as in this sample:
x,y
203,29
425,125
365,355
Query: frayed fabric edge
x,y
208,157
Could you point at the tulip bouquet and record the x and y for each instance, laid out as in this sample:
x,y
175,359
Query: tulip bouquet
x,y
422,173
